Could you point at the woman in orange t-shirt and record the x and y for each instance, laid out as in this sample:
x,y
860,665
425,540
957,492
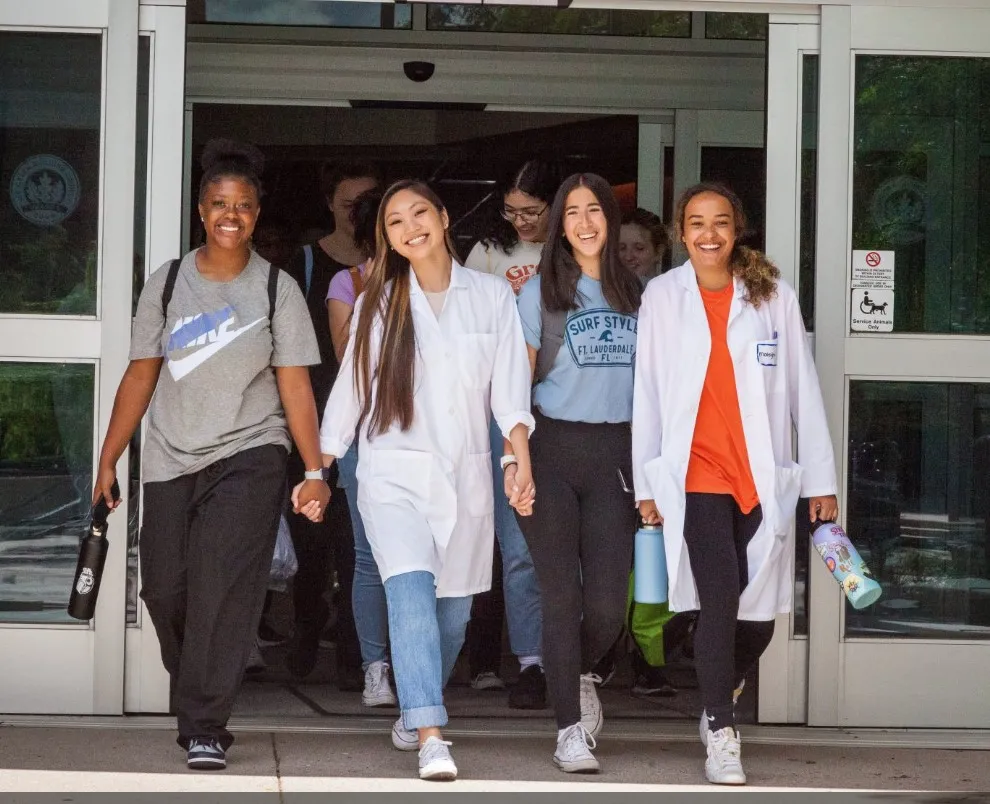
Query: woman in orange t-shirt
x,y
723,372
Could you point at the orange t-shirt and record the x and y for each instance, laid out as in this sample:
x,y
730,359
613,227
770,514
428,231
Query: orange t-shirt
x,y
719,461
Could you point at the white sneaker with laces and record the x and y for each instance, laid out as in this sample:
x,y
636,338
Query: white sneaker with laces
x,y
591,708
377,689
404,739
703,724
573,754
435,762
724,763
487,681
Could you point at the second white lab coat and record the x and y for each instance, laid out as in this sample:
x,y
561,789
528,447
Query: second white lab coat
x,y
776,383
425,495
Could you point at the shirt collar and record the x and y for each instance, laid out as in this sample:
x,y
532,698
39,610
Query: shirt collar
x,y
458,279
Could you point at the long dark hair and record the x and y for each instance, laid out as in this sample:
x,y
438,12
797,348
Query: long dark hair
x,y
560,272
757,272
386,295
536,178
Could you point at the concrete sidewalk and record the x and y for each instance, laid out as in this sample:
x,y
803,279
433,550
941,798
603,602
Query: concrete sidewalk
x,y
97,757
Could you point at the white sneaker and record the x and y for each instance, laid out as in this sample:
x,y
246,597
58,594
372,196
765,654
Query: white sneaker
x,y
256,662
724,763
435,762
404,739
573,754
591,708
377,689
703,724
487,681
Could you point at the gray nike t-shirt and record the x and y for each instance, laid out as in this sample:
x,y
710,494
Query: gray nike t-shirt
x,y
217,393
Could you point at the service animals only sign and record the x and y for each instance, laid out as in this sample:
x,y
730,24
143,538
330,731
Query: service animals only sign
x,y
872,288
872,310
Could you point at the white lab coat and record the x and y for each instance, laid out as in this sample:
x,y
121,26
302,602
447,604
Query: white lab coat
x,y
777,385
425,495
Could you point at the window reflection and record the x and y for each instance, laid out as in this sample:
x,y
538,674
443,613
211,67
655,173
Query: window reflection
x,y
46,484
919,507
532,19
50,87
328,13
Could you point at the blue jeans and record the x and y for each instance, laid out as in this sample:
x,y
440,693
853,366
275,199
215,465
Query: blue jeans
x,y
519,584
368,594
427,634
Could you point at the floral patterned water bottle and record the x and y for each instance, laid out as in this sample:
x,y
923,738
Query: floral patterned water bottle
x,y
845,564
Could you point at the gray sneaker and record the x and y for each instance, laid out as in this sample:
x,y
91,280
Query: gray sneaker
x,y
403,738
591,708
435,762
377,689
724,763
703,723
573,754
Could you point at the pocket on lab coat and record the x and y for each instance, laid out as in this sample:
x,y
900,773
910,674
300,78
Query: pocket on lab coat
x,y
476,353
399,476
476,484
666,483
787,481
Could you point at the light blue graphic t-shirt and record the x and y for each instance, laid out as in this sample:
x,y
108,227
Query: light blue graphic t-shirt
x,y
592,377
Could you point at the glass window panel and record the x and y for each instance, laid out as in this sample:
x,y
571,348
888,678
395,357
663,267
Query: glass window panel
x,y
50,86
809,188
543,20
728,25
332,13
46,484
919,507
920,186
744,171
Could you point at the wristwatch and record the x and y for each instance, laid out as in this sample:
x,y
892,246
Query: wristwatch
x,y
507,460
316,474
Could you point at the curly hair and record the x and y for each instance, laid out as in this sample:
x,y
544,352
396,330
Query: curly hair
x,y
756,270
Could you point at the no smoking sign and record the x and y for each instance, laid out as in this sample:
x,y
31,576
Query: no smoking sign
x,y
873,258
873,269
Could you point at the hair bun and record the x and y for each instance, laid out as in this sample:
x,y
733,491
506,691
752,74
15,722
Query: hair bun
x,y
219,151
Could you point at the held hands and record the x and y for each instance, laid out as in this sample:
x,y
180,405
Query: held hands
x,y
310,498
823,509
649,514
519,488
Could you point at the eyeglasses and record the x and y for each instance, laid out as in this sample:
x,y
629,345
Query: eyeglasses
x,y
524,215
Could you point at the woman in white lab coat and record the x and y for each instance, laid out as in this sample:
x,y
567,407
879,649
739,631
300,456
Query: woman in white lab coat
x,y
435,350
723,369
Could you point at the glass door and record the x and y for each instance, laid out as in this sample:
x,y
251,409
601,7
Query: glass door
x,y
903,337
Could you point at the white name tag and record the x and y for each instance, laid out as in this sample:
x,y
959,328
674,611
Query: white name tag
x,y
766,354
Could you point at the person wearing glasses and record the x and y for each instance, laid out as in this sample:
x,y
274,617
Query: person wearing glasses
x,y
512,250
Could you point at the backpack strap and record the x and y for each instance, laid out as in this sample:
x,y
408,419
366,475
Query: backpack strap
x,y
308,257
173,273
551,339
273,273
357,281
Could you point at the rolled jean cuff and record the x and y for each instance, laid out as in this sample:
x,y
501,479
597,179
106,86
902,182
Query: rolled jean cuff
x,y
522,654
424,717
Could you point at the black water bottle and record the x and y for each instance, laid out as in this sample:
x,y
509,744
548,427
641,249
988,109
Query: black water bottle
x,y
92,557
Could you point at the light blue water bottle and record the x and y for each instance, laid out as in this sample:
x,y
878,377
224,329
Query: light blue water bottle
x,y
649,565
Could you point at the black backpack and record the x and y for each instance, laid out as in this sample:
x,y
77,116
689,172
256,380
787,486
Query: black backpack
x,y
173,273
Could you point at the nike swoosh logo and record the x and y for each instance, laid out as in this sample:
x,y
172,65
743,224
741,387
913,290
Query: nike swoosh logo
x,y
181,367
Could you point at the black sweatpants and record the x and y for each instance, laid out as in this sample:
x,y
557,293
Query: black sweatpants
x,y
206,549
581,538
717,533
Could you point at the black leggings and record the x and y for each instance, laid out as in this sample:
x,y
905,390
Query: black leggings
x,y
717,534
580,537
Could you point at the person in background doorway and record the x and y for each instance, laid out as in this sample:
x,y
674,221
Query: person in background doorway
x,y
643,242
274,238
321,547
579,316
512,250
723,374
434,349
368,595
231,330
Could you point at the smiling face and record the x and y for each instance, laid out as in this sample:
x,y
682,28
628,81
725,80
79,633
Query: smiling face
x,y
527,214
415,228
636,249
229,209
709,231
343,202
585,226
